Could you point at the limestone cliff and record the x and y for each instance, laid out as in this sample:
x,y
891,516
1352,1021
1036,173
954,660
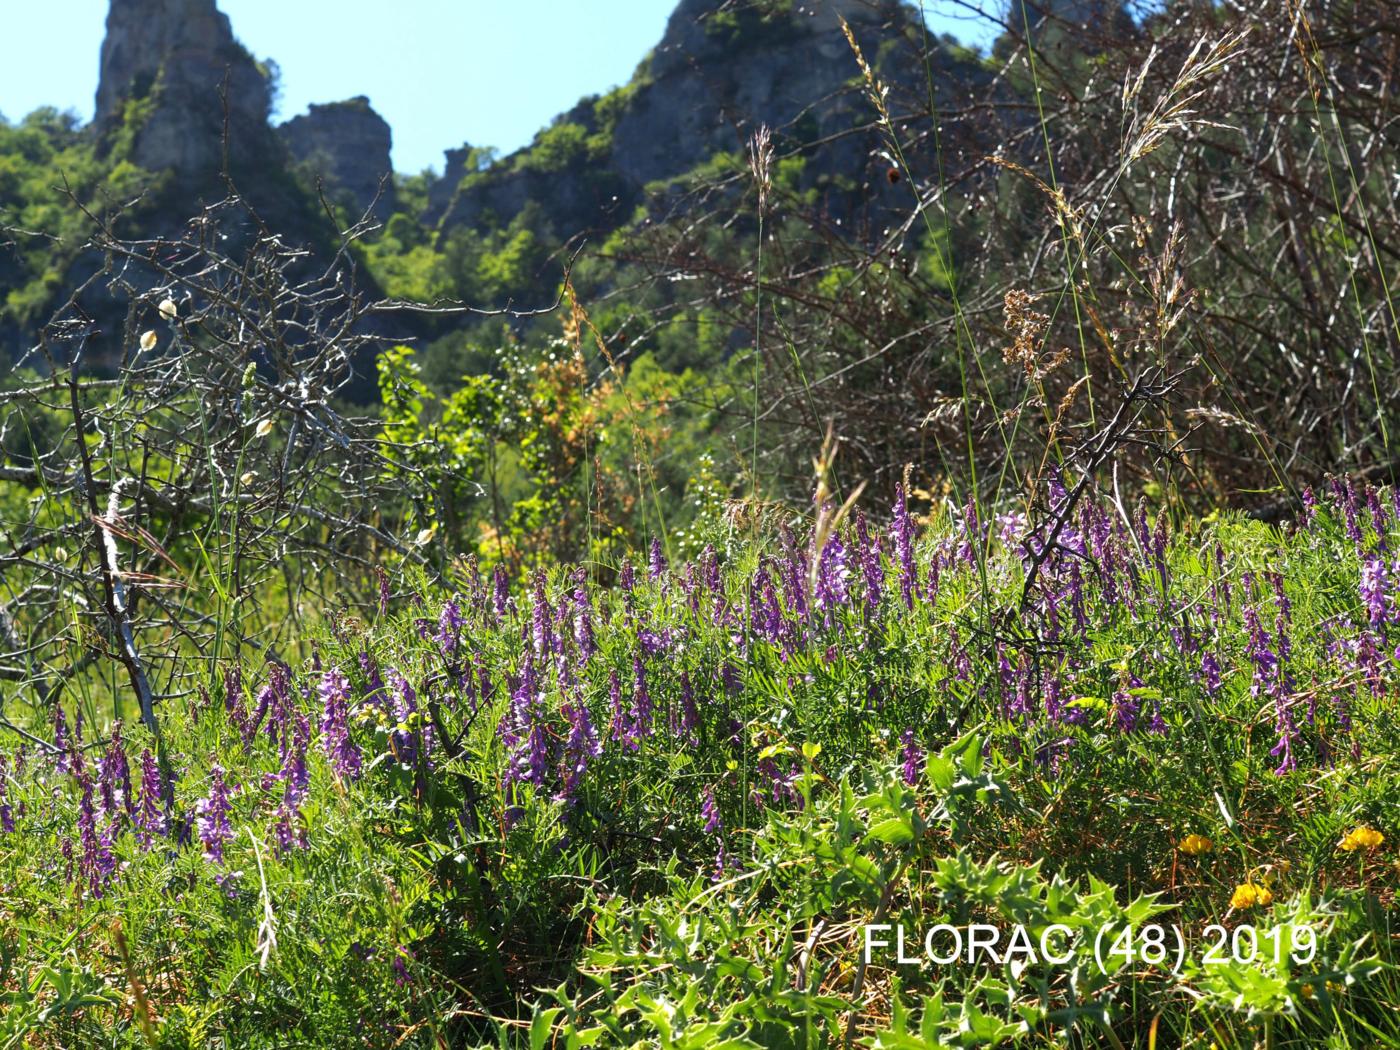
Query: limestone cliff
x,y
348,144
722,69
174,77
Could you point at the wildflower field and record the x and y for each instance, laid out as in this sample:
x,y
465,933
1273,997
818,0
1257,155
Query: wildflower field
x,y
667,811
420,627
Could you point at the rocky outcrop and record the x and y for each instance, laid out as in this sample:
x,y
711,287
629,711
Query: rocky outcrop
x,y
167,67
721,70
348,144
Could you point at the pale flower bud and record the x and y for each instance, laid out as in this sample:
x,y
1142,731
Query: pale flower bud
x,y
148,340
264,428
168,309
426,535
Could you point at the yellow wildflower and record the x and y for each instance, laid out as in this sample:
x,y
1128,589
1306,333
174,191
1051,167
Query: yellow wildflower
x,y
1195,845
1361,838
1248,894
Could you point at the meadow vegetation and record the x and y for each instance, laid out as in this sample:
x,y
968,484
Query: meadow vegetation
x,y
1001,530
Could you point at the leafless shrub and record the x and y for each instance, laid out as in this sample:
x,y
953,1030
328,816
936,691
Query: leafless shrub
x,y
193,505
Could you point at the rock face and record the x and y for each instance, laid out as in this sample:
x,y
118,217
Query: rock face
x,y
721,70
164,66
348,143
716,76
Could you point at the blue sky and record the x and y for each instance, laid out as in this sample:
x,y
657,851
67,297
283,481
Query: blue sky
x,y
442,72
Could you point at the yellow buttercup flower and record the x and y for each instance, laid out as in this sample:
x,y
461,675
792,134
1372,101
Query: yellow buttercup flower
x,y
1195,845
1248,894
1361,838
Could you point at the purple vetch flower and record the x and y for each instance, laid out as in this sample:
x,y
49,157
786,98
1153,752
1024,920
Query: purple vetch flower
x,y
97,863
288,833
1309,506
714,825
1006,678
274,705
1272,682
1022,705
1367,652
150,820
637,720
913,756
1059,495
903,530
1210,672
780,783
1159,551
655,643
958,657
709,811
1011,526
583,618
765,614
1126,708
297,780
1375,591
400,966
212,813
375,693
234,702
833,577
383,589
7,813
690,587
114,776
449,626
792,573
63,743
340,749
972,532
617,724
871,571
500,592
731,678
689,716
1057,709
1345,493
541,619
709,570
522,729
408,736
657,561
581,747
1378,514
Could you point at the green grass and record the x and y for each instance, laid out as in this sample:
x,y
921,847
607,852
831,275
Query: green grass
x,y
709,877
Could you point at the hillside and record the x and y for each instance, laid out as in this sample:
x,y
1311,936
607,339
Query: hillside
x,y
182,108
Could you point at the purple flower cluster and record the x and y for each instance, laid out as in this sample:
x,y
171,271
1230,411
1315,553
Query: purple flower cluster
x,y
1111,625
